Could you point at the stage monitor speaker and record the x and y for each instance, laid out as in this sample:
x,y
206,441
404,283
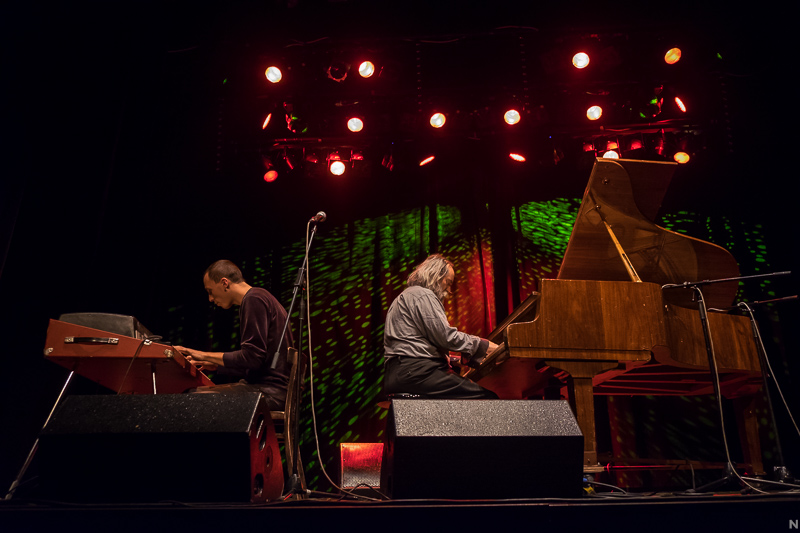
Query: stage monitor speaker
x,y
149,448
482,449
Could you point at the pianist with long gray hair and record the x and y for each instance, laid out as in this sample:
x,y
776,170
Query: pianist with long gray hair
x,y
418,338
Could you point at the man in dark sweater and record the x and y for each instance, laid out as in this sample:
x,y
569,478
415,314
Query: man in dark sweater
x,y
262,320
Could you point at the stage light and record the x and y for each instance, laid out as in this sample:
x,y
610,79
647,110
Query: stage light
x,y
681,157
427,160
599,144
290,160
438,120
635,144
273,74
366,69
266,122
511,117
337,168
594,112
271,173
580,60
680,104
652,107
335,164
611,154
517,157
338,71
294,122
356,155
355,124
659,146
672,56
388,162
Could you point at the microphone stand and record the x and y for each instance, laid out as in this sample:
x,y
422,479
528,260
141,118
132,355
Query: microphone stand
x,y
730,471
295,483
781,471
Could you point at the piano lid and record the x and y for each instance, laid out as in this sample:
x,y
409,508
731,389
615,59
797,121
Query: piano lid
x,y
624,196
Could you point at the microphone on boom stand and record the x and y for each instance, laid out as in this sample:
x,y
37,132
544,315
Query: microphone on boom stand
x,y
296,483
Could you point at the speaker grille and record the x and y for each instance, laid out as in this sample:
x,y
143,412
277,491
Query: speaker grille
x,y
482,449
476,418
146,448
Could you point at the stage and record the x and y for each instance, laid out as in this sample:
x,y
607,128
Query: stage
x,y
728,511
158,128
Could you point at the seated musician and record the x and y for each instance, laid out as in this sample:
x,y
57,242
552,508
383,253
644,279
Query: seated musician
x,y
262,320
418,339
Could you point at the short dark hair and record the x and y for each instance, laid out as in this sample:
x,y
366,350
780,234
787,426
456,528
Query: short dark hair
x,y
224,269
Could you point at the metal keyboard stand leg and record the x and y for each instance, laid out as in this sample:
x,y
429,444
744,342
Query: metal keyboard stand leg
x,y
35,447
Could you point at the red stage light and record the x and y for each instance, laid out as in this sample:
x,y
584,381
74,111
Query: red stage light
x,y
427,160
517,157
511,117
611,154
273,74
438,120
594,112
338,71
266,121
366,69
672,56
580,60
355,124
682,157
337,168
271,176
680,103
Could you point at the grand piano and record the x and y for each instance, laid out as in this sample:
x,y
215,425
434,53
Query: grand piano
x,y
606,326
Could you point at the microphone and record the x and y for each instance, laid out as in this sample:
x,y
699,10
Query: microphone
x,y
319,217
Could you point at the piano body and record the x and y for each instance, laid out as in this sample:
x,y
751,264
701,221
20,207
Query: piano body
x,y
608,323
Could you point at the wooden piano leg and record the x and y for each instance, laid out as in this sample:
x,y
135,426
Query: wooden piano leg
x,y
584,412
582,400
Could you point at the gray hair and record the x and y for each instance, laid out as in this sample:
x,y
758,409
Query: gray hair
x,y
430,273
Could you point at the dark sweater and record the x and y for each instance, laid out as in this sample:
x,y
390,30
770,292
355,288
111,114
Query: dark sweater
x,y
262,320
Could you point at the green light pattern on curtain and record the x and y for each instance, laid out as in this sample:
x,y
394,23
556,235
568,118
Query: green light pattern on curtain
x,y
357,270
746,242
543,230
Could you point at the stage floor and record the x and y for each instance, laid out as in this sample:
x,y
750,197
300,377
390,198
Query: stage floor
x,y
724,511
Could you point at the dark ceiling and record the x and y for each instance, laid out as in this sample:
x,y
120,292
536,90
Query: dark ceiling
x,y
140,122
